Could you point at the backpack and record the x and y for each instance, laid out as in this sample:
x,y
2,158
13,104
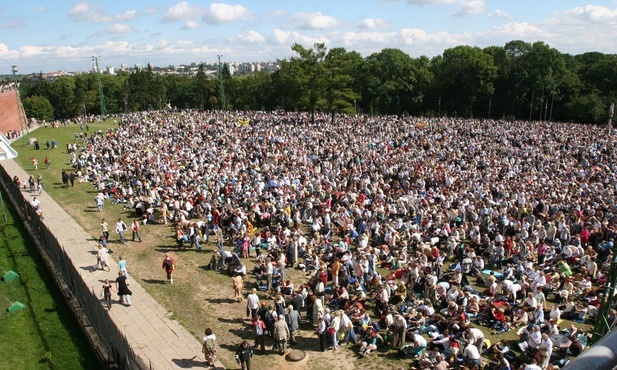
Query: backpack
x,y
270,319
168,264
258,329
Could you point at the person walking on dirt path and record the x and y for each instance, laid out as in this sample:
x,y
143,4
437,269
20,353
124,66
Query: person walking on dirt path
x,y
103,258
243,355
259,326
120,229
209,347
281,334
123,290
252,304
135,228
169,265
106,293
238,284
105,229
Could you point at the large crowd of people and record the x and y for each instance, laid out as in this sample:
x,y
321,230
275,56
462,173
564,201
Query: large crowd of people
x,y
449,227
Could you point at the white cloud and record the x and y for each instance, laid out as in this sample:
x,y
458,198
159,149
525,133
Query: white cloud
x,y
430,2
225,13
40,9
590,14
519,30
498,13
14,23
470,7
183,11
119,28
314,21
190,25
82,12
281,37
251,37
374,23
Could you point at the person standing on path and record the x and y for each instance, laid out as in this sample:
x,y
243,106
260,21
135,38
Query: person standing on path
x,y
281,334
135,228
120,229
123,290
169,265
105,229
252,304
39,184
293,321
122,267
209,347
238,284
322,332
103,258
260,333
106,293
243,355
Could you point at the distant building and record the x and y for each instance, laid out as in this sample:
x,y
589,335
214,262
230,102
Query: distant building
x,y
110,70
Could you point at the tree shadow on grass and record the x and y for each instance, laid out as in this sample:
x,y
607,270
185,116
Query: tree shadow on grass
x,y
154,281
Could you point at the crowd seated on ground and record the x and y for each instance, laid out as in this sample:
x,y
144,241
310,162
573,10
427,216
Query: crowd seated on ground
x,y
525,212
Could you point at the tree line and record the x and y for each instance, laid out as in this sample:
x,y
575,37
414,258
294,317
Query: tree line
x,y
521,80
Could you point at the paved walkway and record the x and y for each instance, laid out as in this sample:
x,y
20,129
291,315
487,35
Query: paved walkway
x,y
154,337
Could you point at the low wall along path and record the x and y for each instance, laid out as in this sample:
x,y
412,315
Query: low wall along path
x,y
157,340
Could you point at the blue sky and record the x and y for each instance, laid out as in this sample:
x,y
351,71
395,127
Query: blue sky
x,y
51,35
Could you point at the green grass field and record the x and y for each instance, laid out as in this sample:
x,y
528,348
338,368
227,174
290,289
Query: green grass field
x,y
44,334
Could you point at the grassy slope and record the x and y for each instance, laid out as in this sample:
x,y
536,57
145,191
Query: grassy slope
x,y
45,328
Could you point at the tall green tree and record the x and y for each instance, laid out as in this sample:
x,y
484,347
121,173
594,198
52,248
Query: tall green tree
x,y
393,82
342,69
463,75
38,107
61,96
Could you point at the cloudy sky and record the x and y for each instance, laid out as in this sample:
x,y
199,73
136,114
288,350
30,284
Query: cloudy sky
x,y
46,35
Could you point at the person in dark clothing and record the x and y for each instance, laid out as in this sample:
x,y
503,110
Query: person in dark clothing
x,y
244,354
122,288
65,178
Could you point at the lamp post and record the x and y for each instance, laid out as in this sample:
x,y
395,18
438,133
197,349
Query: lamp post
x,y
355,107
222,85
98,77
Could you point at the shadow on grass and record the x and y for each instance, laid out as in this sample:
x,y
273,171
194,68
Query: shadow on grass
x,y
222,300
166,248
238,320
154,281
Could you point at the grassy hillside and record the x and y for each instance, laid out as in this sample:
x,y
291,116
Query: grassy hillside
x,y
44,334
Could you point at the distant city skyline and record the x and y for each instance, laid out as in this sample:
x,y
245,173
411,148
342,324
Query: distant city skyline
x,y
64,35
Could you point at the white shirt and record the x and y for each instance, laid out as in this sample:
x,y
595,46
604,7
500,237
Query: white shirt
x,y
252,301
471,352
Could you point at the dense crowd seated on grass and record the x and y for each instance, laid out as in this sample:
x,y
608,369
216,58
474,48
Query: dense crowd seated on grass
x,y
480,224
